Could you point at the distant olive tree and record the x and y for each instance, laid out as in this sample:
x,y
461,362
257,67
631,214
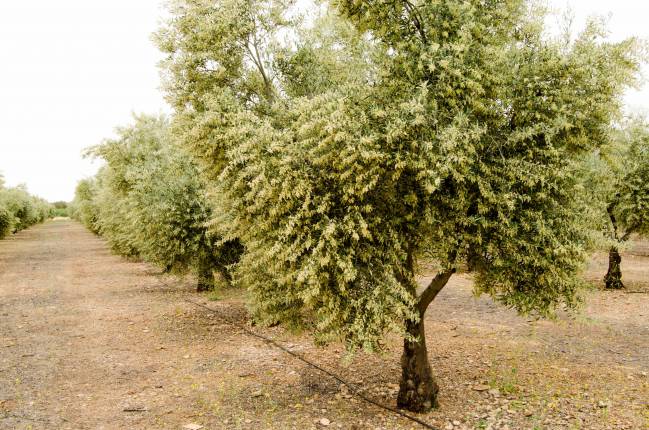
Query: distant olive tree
x,y
622,174
83,208
20,210
61,209
149,203
452,135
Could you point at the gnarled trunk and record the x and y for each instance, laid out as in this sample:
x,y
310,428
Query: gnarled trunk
x,y
417,390
613,278
205,277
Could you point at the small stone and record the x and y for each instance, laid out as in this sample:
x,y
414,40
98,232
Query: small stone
x,y
192,426
257,393
248,421
324,422
481,387
601,404
456,423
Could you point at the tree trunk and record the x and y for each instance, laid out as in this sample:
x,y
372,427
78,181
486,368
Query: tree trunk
x,y
225,274
205,277
613,278
417,390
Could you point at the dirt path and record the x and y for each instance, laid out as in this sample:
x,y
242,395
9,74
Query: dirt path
x,y
91,341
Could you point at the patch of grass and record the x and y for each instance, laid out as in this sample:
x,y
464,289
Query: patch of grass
x,y
481,425
506,383
214,295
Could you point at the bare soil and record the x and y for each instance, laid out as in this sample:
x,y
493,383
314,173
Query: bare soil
x,y
89,340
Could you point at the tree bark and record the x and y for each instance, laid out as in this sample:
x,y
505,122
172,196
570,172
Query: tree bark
x,y
613,278
205,277
418,389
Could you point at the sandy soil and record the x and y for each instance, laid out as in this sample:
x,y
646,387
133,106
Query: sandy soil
x,y
91,341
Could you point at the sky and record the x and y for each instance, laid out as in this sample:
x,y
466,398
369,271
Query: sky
x,y
73,70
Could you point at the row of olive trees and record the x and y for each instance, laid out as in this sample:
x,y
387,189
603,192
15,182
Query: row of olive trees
x,y
19,209
148,202
343,153
333,155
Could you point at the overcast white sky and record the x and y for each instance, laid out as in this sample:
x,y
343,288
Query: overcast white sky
x,y
72,70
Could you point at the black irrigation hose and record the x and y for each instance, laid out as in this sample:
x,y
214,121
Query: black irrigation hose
x,y
353,389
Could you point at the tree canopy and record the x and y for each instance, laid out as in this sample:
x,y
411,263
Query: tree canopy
x,y
149,202
620,182
341,154
20,210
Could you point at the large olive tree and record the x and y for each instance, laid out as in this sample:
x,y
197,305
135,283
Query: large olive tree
x,y
447,129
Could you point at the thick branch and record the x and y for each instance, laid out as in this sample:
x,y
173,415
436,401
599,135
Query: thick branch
x,y
439,281
628,233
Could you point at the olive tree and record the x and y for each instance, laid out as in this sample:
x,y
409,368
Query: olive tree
x,y
83,208
6,218
151,204
623,185
453,135
20,210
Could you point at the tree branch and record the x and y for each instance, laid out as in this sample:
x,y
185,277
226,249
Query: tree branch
x,y
439,281
611,215
628,233
412,11
256,59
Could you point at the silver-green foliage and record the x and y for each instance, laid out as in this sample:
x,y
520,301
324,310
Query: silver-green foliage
x,y
20,210
83,208
148,201
454,134
627,172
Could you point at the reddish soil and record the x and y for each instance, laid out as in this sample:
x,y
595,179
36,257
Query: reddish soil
x,y
89,340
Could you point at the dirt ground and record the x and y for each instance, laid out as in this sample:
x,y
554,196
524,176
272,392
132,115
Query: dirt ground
x,y
89,340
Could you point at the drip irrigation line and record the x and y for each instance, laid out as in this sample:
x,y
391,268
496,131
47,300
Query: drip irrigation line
x,y
351,387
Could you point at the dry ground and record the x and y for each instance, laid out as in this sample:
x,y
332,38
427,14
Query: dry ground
x,y
91,341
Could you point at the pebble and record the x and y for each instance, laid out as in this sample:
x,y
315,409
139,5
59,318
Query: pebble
x,y
481,387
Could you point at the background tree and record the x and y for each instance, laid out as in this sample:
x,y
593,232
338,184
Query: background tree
x,y
20,210
456,141
623,181
150,204
61,209
6,218
83,207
